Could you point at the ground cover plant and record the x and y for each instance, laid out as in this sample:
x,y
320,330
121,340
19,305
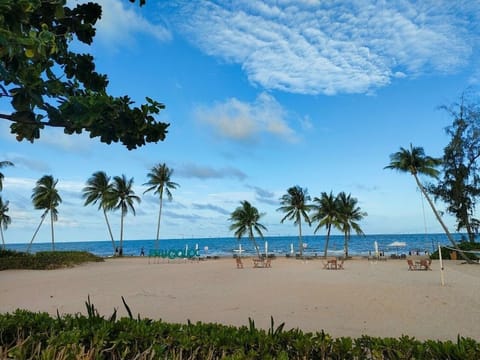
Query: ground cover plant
x,y
28,335
44,260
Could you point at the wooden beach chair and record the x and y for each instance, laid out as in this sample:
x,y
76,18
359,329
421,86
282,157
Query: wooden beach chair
x,y
411,265
340,265
425,264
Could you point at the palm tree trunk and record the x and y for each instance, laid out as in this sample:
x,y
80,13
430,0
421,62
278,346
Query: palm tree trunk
x,y
3,240
157,242
437,215
109,229
300,242
36,231
252,238
51,228
345,245
121,234
329,227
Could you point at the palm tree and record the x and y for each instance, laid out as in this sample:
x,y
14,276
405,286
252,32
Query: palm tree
x,y
99,189
5,220
245,219
326,213
348,216
45,197
3,164
159,180
295,206
123,197
415,162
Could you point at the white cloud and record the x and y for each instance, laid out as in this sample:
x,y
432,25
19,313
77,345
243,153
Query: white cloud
x,y
315,47
243,121
122,21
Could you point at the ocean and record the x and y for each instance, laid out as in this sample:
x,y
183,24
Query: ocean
x,y
278,245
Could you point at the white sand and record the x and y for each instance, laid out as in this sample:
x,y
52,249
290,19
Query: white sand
x,y
378,299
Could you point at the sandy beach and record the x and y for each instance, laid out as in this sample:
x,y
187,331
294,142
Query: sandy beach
x,y
373,298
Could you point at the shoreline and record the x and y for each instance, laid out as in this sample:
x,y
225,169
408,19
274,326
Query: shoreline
x,y
376,298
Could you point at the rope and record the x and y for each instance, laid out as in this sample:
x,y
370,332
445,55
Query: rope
x,y
474,252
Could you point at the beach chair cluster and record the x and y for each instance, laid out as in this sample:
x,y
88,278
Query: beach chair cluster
x,y
262,263
333,264
421,264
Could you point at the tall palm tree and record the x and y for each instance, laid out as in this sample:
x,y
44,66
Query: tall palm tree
x,y
99,189
159,180
245,219
415,162
295,206
326,213
123,197
5,220
348,216
45,197
3,164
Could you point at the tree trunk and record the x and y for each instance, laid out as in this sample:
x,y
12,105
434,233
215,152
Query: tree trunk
x,y
252,238
300,242
121,235
52,231
437,215
329,227
157,242
36,231
345,245
3,240
109,229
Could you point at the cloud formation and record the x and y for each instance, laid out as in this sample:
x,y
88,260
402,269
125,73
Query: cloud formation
x,y
206,172
320,47
122,21
242,121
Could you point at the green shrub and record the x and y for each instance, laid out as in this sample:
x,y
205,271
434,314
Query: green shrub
x,y
463,245
27,335
44,260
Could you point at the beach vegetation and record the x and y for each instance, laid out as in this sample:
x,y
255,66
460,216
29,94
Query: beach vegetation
x,y
123,198
44,260
349,214
99,189
296,205
50,85
459,186
45,197
245,221
159,180
469,249
28,335
5,219
326,213
415,162
3,164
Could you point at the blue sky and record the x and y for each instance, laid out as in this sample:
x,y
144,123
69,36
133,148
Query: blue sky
x,y
261,96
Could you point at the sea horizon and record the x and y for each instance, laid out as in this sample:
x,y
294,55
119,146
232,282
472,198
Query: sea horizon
x,y
278,245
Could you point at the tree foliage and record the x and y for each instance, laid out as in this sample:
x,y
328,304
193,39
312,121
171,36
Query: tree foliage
x,y
459,187
245,219
49,85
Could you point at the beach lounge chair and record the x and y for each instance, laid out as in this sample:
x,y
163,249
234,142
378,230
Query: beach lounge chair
x,y
239,262
425,264
411,265
340,265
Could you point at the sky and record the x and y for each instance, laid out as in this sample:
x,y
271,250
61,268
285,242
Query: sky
x,y
260,96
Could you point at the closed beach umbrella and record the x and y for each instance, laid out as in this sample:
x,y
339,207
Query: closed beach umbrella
x,y
375,244
291,248
266,248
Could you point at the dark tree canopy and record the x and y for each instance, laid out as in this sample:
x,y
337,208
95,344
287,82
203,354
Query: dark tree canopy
x,y
49,85
459,187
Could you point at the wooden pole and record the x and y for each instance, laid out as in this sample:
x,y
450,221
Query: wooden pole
x,y
441,265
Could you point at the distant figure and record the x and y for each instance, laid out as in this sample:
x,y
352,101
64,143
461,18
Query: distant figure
x,y
120,252
142,251
117,253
